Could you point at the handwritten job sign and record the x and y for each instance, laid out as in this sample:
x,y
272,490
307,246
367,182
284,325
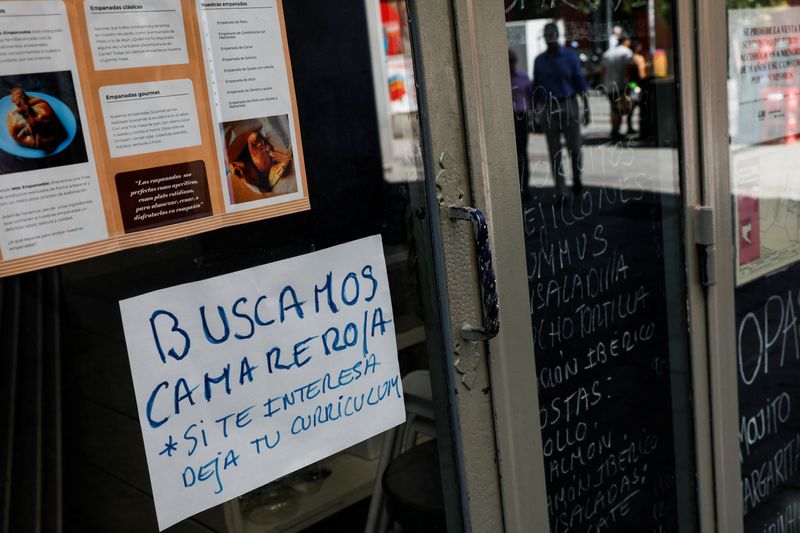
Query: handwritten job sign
x,y
246,377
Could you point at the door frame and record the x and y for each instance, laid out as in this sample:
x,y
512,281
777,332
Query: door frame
x,y
717,194
437,58
469,151
495,190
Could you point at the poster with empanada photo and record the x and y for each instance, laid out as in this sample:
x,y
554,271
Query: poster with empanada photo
x,y
127,124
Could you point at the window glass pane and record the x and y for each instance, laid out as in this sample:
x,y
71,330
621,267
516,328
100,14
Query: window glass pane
x,y
597,127
763,97
68,405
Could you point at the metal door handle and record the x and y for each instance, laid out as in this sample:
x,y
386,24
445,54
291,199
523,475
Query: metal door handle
x,y
491,306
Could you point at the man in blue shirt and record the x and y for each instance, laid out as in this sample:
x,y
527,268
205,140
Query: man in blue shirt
x,y
557,82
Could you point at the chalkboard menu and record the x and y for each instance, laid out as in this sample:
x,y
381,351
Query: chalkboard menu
x,y
599,306
768,362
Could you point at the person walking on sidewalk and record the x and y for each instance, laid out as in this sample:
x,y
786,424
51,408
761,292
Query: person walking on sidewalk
x,y
557,82
614,70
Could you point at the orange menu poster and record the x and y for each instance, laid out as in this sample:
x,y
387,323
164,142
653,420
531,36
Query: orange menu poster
x,y
130,122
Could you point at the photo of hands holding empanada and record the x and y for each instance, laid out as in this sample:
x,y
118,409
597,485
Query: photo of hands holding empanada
x,y
40,126
259,159
33,123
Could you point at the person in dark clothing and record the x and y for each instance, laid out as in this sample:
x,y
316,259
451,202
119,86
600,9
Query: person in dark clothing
x,y
520,94
557,82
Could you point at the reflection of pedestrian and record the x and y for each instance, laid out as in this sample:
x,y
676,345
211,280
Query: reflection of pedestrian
x,y
614,38
520,94
557,82
614,72
637,72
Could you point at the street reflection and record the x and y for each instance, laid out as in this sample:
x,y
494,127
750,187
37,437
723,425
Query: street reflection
x,y
603,243
606,161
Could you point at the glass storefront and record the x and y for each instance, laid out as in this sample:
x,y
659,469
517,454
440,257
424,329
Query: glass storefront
x,y
196,197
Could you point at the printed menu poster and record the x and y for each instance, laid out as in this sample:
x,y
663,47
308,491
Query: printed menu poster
x,y
128,123
764,94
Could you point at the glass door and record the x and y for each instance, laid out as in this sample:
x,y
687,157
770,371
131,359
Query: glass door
x,y
575,118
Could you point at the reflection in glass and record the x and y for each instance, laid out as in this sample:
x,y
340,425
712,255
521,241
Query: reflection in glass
x,y
605,264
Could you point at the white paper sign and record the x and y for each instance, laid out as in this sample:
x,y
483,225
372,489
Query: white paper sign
x,y
246,377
